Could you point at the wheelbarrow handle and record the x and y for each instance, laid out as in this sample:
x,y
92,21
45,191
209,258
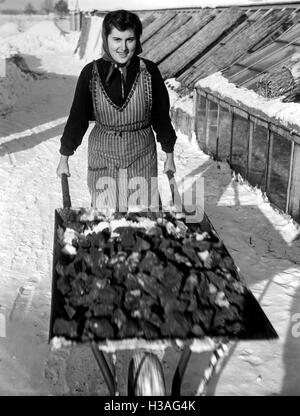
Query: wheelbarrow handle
x,y
65,191
170,175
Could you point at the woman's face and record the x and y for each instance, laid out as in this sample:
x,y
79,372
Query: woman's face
x,y
121,45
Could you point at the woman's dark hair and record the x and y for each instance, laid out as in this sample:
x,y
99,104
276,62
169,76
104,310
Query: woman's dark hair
x,y
122,20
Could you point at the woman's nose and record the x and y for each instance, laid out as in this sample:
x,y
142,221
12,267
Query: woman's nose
x,y
124,45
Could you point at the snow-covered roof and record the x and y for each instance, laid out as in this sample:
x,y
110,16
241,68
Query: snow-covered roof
x,y
286,114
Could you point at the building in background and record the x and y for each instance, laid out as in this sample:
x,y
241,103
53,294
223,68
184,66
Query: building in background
x,y
138,5
48,6
75,15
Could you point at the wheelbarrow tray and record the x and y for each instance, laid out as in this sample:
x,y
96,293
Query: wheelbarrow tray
x,y
256,324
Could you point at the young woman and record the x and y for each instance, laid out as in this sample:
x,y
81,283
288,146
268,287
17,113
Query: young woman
x,y
127,98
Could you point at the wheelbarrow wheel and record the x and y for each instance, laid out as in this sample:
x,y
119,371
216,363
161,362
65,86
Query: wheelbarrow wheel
x,y
145,376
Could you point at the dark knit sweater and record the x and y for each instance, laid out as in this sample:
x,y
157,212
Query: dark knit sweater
x,y
82,107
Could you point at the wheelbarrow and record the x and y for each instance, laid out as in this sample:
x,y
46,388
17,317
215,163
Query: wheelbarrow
x,y
145,373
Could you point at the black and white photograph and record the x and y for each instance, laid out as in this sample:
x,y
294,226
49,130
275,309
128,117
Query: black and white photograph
x,y
149,200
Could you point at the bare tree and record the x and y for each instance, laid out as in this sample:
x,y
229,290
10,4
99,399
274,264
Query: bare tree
x,y
48,6
61,7
29,9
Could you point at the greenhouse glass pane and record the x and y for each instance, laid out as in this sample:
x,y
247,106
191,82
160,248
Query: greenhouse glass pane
x,y
212,127
224,134
240,139
279,170
294,206
201,121
259,154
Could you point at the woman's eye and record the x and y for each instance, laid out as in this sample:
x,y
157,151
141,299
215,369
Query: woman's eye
x,y
119,40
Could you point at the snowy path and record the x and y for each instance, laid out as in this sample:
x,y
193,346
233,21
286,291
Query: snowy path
x,y
29,194
259,239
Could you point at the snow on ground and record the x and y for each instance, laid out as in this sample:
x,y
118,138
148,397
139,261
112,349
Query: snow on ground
x,y
263,242
42,36
9,29
14,84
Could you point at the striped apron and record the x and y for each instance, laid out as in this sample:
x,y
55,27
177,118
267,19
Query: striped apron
x,y
122,156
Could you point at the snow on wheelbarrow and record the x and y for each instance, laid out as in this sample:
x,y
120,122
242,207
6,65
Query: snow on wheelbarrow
x,y
145,280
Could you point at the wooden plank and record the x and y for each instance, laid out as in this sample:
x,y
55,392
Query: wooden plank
x,y
218,131
259,14
289,35
171,27
251,74
256,17
284,42
250,62
148,19
250,79
245,55
200,121
240,112
266,39
294,200
181,35
284,59
296,13
278,31
258,121
280,131
207,119
201,92
222,56
213,98
269,151
269,161
196,106
250,144
230,36
200,42
156,25
195,103
265,24
224,105
231,136
290,178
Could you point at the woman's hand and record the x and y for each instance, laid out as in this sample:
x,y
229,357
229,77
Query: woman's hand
x,y
63,166
169,163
